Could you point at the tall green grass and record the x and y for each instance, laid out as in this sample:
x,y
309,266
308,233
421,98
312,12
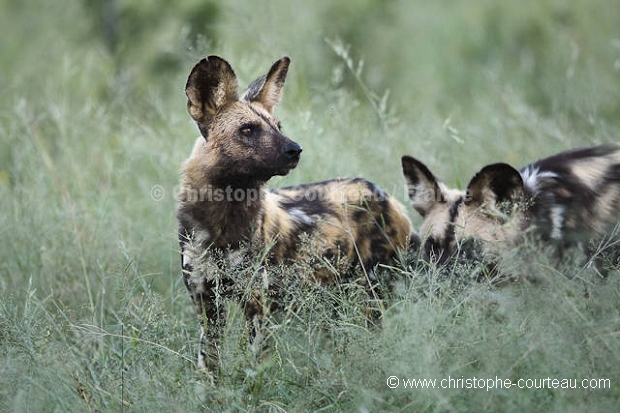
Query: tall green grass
x,y
94,315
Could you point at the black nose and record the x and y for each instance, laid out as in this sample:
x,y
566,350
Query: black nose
x,y
292,150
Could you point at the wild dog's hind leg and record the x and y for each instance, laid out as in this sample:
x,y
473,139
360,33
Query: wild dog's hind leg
x,y
257,305
254,320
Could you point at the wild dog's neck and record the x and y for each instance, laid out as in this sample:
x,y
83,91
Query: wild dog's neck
x,y
234,209
239,183
225,208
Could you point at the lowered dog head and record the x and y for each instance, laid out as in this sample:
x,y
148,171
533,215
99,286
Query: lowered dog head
x,y
488,210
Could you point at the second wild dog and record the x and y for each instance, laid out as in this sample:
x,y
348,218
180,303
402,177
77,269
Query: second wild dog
x,y
566,199
225,205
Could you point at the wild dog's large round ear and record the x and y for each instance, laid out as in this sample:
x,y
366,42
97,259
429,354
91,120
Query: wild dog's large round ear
x,y
267,89
494,184
211,84
422,187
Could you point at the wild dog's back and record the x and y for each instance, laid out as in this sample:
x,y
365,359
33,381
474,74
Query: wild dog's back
x,y
575,192
351,218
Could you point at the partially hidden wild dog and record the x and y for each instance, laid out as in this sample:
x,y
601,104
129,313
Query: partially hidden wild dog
x,y
564,200
226,210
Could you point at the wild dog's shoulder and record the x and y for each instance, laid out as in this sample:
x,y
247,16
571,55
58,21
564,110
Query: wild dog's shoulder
x,y
191,228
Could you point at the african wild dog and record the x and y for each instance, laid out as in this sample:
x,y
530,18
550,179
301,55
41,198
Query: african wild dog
x,y
566,199
225,207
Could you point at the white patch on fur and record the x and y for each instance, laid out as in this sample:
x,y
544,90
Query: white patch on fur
x,y
194,254
202,364
557,221
532,175
186,261
300,216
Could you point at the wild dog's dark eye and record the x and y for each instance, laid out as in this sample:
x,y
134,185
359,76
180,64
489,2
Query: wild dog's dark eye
x,y
279,125
248,129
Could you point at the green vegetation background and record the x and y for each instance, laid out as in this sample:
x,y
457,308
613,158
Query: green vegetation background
x,y
94,315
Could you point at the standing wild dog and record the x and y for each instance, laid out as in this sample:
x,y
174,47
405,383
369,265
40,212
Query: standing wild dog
x,y
226,211
566,199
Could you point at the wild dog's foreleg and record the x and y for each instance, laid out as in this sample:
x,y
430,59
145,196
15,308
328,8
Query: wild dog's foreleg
x,y
202,356
204,294
212,318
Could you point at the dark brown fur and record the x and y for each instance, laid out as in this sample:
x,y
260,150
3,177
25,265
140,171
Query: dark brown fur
x,y
226,210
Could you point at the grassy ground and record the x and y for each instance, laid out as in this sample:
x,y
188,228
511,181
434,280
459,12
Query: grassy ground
x,y
94,315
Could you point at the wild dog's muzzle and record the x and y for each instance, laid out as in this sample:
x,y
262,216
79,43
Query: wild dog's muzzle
x,y
289,158
292,151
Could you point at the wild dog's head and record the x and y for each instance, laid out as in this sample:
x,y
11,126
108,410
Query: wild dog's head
x,y
487,211
243,138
